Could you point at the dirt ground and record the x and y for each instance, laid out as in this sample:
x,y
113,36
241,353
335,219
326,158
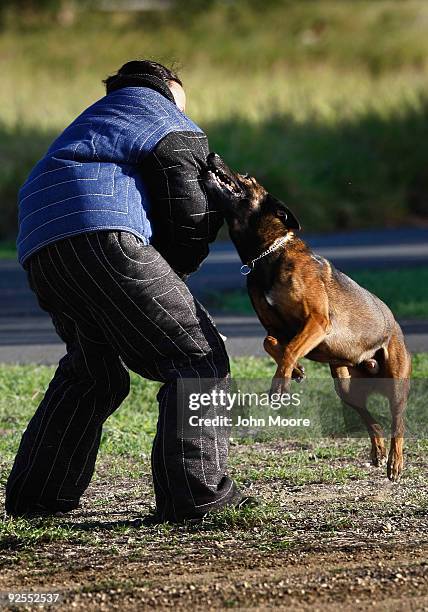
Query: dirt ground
x,y
359,543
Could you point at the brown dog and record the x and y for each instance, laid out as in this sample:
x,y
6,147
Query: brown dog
x,y
310,309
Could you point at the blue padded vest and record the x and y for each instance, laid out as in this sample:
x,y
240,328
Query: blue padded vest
x,y
89,179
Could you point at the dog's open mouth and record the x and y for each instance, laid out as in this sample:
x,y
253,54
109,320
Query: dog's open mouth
x,y
222,181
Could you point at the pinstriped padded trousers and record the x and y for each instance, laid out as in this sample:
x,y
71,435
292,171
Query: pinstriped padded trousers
x,y
117,304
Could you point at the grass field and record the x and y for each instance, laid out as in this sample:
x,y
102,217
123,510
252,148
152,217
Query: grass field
x,y
130,430
405,290
325,102
330,530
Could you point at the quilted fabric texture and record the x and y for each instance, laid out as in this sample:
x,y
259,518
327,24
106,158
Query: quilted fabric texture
x,y
90,178
116,302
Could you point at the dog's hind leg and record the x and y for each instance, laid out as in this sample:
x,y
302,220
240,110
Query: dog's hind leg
x,y
353,391
397,368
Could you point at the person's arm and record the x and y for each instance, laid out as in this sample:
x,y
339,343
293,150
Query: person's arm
x,y
183,222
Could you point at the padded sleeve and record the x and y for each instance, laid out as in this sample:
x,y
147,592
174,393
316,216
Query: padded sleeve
x,y
183,220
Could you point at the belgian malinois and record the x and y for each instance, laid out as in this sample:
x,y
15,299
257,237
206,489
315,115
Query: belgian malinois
x,y
311,309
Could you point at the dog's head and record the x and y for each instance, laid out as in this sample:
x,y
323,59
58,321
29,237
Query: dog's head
x,y
244,202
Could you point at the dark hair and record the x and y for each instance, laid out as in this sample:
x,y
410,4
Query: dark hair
x,y
142,68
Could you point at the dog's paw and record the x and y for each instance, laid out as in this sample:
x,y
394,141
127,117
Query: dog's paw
x,y
395,466
378,452
298,373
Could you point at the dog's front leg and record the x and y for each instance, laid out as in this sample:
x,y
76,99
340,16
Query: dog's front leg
x,y
286,356
273,324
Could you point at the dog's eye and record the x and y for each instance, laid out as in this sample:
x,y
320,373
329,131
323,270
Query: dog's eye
x,y
281,213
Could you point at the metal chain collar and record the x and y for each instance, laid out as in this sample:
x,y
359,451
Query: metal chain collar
x,y
247,268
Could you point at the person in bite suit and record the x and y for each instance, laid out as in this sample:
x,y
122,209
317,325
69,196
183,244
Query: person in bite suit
x,y
111,220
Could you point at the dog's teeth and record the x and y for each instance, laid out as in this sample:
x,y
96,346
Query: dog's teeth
x,y
222,181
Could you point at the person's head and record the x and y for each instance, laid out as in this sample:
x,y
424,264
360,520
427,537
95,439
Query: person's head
x,y
141,68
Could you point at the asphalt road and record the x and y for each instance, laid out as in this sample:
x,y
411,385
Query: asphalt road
x,y
348,251
33,340
27,335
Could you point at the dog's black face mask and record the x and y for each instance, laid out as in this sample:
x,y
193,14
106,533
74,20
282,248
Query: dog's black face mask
x,y
242,199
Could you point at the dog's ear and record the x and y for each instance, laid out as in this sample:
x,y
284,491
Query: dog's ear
x,y
288,218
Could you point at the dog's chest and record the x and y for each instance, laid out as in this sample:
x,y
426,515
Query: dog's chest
x,y
285,298
280,298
